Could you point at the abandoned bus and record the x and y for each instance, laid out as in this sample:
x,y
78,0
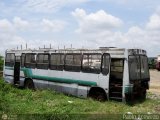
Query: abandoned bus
x,y
158,63
103,74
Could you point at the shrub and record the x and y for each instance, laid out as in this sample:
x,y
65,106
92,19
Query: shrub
x,y
1,63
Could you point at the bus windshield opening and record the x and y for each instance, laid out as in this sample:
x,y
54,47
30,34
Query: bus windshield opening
x,y
138,67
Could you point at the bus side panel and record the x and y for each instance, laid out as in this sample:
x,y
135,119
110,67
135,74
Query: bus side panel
x,y
83,91
103,82
69,77
64,88
22,78
71,89
74,83
68,88
8,75
40,84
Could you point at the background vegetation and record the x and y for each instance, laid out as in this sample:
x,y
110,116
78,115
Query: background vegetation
x,y
152,62
1,63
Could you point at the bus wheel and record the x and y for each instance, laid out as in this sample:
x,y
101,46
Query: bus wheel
x,y
101,97
29,84
97,94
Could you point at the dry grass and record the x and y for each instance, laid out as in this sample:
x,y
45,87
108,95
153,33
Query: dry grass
x,y
155,82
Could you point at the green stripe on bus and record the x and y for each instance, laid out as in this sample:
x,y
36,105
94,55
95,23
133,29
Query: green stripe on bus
x,y
64,80
28,73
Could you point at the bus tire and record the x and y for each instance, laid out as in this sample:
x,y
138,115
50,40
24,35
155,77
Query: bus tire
x,y
97,93
28,84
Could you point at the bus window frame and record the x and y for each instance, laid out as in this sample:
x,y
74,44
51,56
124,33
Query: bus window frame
x,y
24,60
73,68
109,65
30,63
129,67
59,67
12,65
89,70
139,56
147,71
18,58
42,65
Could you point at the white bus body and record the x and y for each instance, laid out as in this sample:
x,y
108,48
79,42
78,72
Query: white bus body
x,y
104,73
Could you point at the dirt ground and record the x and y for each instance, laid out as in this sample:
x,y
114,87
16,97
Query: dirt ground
x,y
155,82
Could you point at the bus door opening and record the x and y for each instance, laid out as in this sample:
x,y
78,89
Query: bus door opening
x,y
116,79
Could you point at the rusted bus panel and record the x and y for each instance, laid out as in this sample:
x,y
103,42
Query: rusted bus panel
x,y
136,51
114,52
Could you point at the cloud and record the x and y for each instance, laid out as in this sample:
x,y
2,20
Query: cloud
x,y
49,5
135,3
154,22
95,22
143,38
6,26
11,37
8,36
158,10
53,25
101,29
16,24
94,29
20,24
9,40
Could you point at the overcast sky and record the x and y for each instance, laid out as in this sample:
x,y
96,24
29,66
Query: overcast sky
x,y
82,23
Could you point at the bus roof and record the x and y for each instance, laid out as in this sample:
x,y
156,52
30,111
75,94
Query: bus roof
x,y
114,52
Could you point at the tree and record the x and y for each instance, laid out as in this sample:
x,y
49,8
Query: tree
x,y
152,63
1,62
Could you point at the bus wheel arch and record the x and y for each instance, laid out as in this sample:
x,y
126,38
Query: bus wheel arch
x,y
97,93
29,84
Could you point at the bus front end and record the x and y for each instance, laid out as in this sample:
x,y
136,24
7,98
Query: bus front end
x,y
138,75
